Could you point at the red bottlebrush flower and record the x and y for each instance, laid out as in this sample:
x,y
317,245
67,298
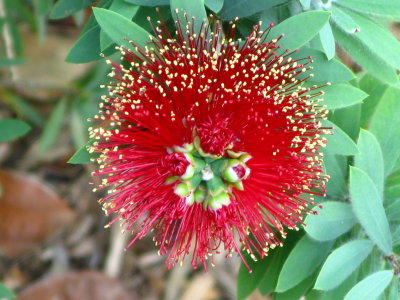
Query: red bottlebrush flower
x,y
213,145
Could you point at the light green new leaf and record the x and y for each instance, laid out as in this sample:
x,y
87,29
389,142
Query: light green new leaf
x,y
121,29
299,29
339,142
12,128
342,95
333,220
86,48
385,125
370,287
341,263
65,8
368,208
214,5
302,261
370,159
194,9
344,21
377,8
53,126
365,58
245,8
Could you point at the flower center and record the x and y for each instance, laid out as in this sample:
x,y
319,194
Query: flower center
x,y
203,179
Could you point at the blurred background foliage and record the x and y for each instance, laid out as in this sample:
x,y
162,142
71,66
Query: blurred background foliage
x,y
50,77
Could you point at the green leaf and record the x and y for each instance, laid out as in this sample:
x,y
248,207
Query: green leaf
x,y
336,186
298,291
375,90
348,119
370,287
302,261
12,128
377,8
7,62
277,257
368,208
365,58
370,159
214,5
299,29
375,38
86,48
5,293
120,29
385,125
393,211
194,9
306,4
344,21
82,156
328,41
341,263
333,220
52,127
339,142
123,8
148,2
341,290
342,95
247,282
324,70
245,8
65,8
392,188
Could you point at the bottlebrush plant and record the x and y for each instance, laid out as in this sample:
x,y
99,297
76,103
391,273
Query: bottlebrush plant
x,y
214,135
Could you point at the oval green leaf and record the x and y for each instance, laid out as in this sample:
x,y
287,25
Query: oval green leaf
x,y
87,48
341,263
385,125
339,142
302,261
194,9
366,59
370,287
333,220
377,8
149,2
120,29
245,8
368,208
12,128
344,21
65,8
214,5
370,159
342,95
300,28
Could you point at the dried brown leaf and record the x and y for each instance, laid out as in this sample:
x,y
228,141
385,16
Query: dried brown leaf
x,y
29,213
